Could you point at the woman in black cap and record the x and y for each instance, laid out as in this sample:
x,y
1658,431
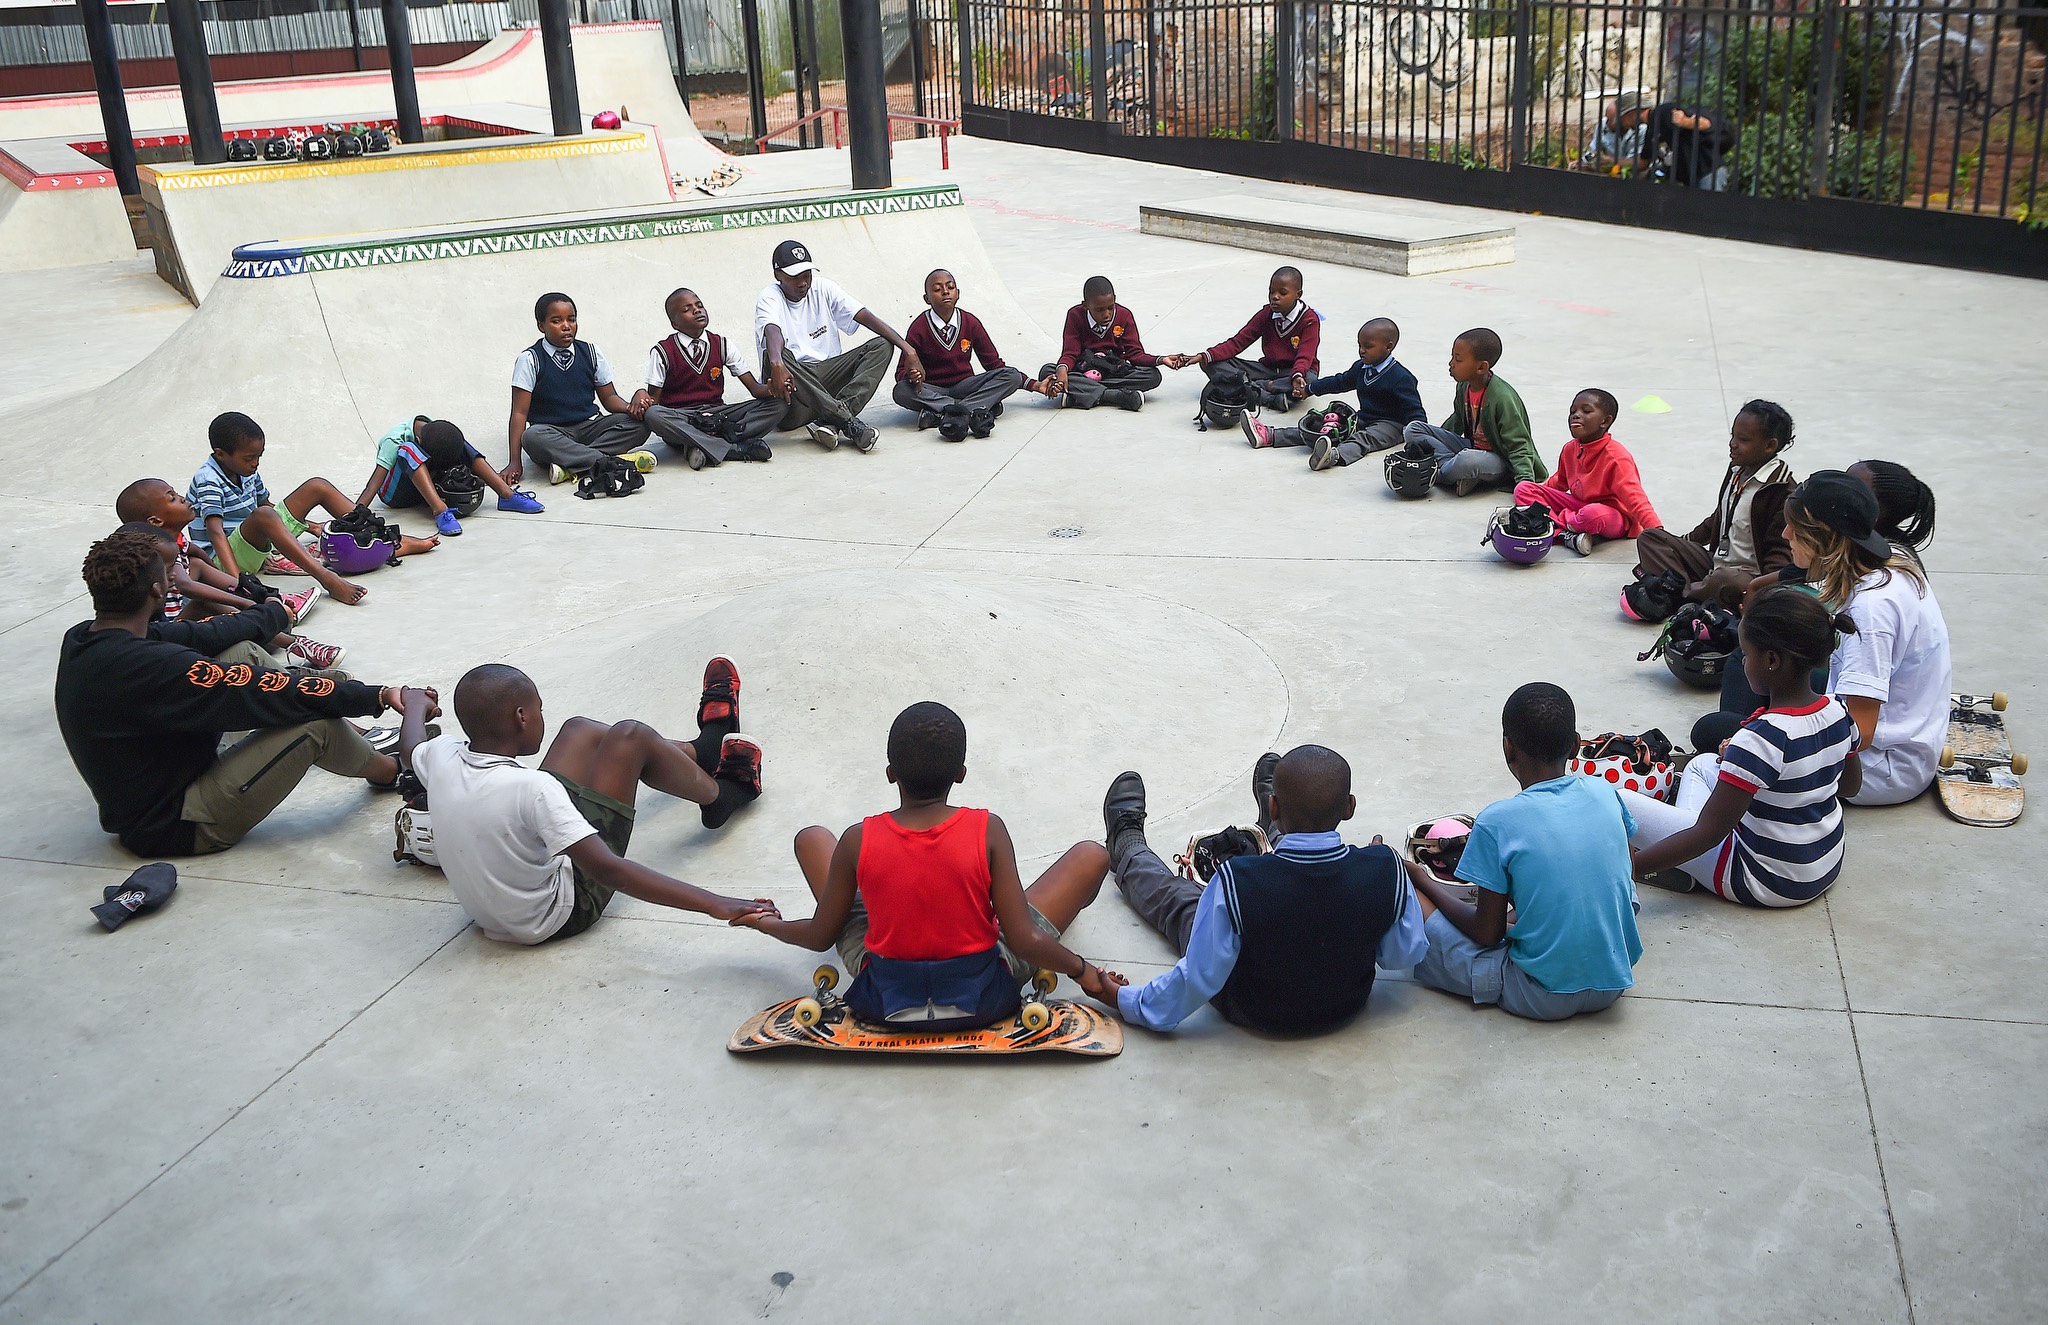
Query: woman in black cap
x,y
1894,673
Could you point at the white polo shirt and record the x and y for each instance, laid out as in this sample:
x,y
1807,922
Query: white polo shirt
x,y
814,328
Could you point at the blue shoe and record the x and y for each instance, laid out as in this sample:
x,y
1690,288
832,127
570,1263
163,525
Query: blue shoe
x,y
521,501
448,524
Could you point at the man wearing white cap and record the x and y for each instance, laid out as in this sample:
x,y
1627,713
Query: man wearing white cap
x,y
800,327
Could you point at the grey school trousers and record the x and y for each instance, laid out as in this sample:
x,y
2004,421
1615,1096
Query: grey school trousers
x,y
1376,436
713,429
576,446
1461,459
835,390
1162,899
1085,392
970,395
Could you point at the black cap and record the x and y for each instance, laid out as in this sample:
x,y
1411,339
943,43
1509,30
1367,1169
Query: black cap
x,y
791,256
1842,503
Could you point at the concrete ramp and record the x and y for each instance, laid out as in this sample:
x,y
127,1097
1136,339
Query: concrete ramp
x,y
617,64
201,214
328,343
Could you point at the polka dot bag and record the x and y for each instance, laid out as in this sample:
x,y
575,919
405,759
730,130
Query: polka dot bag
x,y
1634,763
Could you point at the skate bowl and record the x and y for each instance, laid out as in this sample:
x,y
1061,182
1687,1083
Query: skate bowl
x,y
618,65
199,215
329,342
58,208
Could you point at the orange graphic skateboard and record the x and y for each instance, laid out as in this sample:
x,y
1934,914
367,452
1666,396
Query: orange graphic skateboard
x,y
823,1021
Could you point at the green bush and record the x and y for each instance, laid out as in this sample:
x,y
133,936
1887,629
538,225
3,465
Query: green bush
x,y
1774,159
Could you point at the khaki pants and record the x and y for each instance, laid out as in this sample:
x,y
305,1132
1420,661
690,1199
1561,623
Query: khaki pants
x,y
253,776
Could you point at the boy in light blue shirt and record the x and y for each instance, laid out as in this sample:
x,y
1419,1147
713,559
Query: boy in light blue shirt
x,y
1558,854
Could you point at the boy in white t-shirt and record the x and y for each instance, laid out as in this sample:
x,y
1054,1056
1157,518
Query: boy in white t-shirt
x,y
801,322
535,855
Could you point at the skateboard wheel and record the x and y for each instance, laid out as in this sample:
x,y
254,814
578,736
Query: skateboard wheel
x,y
1948,757
1998,701
825,978
1045,981
2019,766
809,1012
1036,1016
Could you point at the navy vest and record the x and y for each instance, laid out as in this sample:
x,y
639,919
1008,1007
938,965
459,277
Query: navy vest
x,y
563,395
1310,925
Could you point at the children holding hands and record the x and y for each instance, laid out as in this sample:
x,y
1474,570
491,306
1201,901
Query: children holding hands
x,y
1388,401
683,402
1103,361
1289,335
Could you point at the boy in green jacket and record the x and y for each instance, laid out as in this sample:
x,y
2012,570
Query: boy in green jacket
x,y
1486,442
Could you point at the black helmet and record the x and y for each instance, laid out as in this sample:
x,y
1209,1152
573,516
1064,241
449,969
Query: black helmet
x,y
277,149
347,144
1225,397
1333,419
461,489
1653,597
1410,474
316,147
241,149
1696,644
376,140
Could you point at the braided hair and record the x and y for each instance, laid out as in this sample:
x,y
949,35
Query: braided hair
x,y
119,570
1795,623
1905,505
1775,420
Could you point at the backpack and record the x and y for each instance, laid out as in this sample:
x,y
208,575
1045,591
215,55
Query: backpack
x,y
1207,852
609,477
1225,398
1653,597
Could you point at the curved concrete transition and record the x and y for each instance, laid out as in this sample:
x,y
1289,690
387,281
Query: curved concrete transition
x,y
1062,685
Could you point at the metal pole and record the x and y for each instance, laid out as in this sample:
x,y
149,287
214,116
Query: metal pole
x,y
405,95
195,82
796,76
1098,62
757,104
106,79
1823,146
867,92
917,69
1283,69
964,35
815,59
682,53
561,63
355,33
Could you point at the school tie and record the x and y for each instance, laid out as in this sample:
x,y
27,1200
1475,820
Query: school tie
x,y
564,357
696,351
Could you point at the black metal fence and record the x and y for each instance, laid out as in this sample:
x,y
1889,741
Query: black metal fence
x,y
1741,115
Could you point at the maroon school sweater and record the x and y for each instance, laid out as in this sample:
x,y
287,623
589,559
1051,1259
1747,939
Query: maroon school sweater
x,y
948,365
684,385
1079,338
1296,350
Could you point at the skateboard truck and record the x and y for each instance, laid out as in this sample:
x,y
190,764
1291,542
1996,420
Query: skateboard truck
x,y
1035,1015
811,1011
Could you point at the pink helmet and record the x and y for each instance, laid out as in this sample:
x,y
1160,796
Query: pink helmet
x,y
605,119
1443,828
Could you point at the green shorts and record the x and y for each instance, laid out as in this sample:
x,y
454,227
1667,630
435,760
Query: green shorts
x,y
852,942
250,558
613,821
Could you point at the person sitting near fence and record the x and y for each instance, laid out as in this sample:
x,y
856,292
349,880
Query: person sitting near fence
x,y
1289,335
953,397
801,322
1388,401
558,384
1685,145
1102,361
684,399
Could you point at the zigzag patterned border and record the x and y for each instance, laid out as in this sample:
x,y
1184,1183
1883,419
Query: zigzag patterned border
x,y
216,176
260,261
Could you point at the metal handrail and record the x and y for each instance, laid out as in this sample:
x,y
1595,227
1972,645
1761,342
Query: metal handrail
x,y
946,129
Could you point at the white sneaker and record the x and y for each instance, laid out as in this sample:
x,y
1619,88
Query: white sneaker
x,y
824,434
1581,544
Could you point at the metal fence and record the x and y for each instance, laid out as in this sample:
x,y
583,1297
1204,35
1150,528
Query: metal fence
x,y
1929,106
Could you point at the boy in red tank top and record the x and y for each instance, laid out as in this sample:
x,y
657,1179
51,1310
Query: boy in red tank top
x,y
924,903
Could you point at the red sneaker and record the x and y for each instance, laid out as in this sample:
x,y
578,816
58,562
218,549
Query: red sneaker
x,y
739,760
720,701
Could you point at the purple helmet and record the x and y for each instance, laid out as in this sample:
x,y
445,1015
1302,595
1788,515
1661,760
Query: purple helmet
x,y
1521,534
354,554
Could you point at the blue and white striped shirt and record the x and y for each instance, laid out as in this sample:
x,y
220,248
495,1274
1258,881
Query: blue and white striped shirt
x,y
214,491
1787,850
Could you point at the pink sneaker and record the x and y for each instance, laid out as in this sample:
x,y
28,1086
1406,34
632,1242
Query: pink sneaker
x,y
1258,434
312,653
301,603
275,564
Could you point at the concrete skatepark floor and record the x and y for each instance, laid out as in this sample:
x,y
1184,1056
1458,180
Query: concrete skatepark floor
x,y
309,1090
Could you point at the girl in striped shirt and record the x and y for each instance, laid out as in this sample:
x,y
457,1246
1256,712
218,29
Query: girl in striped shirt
x,y
1761,822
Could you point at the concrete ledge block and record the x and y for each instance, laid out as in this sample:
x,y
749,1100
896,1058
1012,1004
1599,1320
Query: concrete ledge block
x,y
1376,241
